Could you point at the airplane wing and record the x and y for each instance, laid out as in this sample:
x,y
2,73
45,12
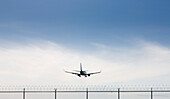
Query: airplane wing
x,y
94,73
76,70
72,73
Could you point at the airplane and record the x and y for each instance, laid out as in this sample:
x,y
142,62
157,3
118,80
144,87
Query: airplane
x,y
82,72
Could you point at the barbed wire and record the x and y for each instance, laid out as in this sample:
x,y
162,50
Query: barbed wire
x,y
83,87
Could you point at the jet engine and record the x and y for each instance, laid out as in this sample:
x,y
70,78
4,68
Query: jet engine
x,y
79,75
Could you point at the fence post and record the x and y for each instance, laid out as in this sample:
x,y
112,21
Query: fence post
x,y
86,93
151,94
55,93
24,93
118,93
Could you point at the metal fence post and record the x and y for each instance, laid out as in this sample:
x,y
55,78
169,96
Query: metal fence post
x,y
118,93
86,93
151,94
55,93
24,93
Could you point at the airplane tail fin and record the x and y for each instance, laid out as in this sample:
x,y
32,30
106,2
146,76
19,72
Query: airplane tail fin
x,y
80,67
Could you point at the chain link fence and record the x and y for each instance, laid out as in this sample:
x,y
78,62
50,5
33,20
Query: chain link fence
x,y
84,92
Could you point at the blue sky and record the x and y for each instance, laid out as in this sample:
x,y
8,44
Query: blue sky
x,y
84,21
114,35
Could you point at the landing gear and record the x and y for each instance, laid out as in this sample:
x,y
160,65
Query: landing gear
x,y
79,75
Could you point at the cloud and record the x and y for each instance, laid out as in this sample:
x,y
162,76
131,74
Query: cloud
x,y
143,60
42,62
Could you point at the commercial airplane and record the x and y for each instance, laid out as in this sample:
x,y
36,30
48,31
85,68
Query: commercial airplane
x,y
82,72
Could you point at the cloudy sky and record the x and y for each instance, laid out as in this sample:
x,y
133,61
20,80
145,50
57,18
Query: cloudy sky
x,y
127,40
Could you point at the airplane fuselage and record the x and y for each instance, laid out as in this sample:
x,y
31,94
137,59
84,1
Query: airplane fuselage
x,y
81,72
